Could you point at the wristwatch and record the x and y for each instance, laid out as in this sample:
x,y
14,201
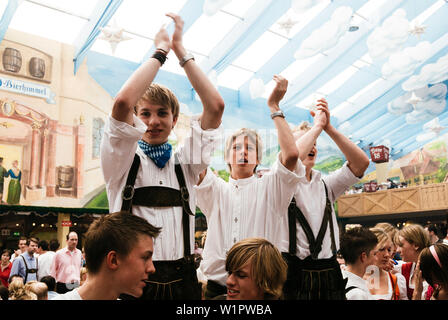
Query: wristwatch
x,y
184,60
278,113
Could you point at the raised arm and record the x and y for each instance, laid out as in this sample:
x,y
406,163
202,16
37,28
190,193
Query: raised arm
x,y
288,150
356,158
209,95
307,141
135,86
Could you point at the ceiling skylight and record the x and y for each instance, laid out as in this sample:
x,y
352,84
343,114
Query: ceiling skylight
x,y
28,18
233,77
207,32
260,51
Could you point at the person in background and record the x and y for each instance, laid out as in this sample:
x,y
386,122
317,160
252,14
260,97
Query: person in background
x,y
83,275
383,284
40,289
26,264
392,232
4,293
66,265
17,290
51,285
256,271
358,250
432,267
21,248
119,250
6,266
412,240
45,259
434,233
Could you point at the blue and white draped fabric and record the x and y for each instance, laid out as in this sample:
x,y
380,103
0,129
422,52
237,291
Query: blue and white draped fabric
x,y
160,154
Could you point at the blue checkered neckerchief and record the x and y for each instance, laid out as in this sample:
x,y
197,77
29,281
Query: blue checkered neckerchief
x,y
160,154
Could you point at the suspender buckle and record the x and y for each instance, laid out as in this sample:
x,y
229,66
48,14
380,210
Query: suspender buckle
x,y
184,194
128,192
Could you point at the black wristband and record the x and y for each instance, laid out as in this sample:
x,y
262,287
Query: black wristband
x,y
159,56
164,51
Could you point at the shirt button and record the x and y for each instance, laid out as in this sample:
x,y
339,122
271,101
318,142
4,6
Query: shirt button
x,y
160,182
234,240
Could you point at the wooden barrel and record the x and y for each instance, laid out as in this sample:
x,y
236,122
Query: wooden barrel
x,y
37,67
12,60
65,176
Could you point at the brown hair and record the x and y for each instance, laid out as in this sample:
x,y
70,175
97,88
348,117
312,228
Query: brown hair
x,y
415,234
268,267
432,272
160,95
118,232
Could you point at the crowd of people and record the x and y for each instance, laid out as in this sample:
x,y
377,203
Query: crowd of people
x,y
39,269
269,237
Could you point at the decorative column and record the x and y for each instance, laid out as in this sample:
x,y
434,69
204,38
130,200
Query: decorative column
x,y
79,132
43,157
32,182
51,164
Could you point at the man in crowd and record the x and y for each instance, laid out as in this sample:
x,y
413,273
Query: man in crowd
x,y
66,265
25,265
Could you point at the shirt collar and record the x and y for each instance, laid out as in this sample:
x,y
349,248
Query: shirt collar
x,y
315,176
241,182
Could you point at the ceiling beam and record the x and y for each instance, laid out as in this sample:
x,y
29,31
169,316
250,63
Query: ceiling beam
x,y
99,18
259,18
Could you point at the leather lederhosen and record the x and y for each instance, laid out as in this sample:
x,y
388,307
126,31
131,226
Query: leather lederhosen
x,y
312,278
172,280
29,270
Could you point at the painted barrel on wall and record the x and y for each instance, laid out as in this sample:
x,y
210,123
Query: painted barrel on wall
x,y
65,176
12,60
37,67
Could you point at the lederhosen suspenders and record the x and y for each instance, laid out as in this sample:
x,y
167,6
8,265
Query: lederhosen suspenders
x,y
29,270
155,196
315,244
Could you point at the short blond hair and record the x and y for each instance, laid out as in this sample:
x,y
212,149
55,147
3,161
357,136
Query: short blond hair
x,y
17,290
40,289
268,267
160,95
252,135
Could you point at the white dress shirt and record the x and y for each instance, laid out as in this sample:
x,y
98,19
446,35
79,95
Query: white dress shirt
x,y
44,264
361,291
310,198
241,209
118,147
